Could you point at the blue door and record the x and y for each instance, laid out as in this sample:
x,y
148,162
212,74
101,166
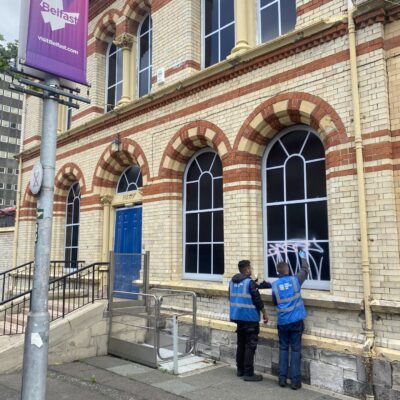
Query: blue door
x,y
127,250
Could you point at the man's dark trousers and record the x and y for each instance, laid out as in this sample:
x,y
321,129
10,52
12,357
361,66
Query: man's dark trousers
x,y
290,335
247,339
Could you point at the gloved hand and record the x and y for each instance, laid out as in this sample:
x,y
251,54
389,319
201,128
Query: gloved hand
x,y
302,254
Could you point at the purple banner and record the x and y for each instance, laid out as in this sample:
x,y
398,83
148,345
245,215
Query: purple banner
x,y
57,38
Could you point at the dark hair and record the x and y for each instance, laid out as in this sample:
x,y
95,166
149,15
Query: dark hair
x,y
281,267
242,265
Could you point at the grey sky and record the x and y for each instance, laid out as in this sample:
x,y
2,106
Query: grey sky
x,y
9,21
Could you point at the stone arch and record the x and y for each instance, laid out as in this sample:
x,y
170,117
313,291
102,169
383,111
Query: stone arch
x,y
106,27
186,142
112,163
136,9
285,110
66,176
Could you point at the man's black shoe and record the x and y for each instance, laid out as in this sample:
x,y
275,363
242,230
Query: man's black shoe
x,y
282,382
253,378
239,373
296,386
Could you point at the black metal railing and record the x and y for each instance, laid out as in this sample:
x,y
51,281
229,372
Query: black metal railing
x,y
20,279
66,294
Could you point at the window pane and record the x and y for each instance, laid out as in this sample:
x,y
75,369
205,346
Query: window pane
x,y
123,185
119,66
269,23
75,235
191,196
76,211
67,254
218,226
227,12
320,256
69,214
110,98
145,25
218,259
211,50
276,156
276,223
295,179
118,92
314,148
317,220
211,16
275,185
132,173
193,172
111,70
217,167
274,254
191,228
205,227
316,179
191,258
74,256
218,196
266,2
205,258
144,51
294,141
68,236
205,192
205,160
288,15
295,221
227,41
144,83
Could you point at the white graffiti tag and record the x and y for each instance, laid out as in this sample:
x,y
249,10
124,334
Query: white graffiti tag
x,y
278,252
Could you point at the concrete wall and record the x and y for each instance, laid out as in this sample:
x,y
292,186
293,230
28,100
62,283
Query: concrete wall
x,y
6,248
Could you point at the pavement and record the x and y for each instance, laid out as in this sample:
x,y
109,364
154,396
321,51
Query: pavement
x,y
110,378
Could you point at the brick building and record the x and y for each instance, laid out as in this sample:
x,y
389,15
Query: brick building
x,y
222,130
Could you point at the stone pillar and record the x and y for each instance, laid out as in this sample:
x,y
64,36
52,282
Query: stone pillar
x,y
106,201
242,10
125,42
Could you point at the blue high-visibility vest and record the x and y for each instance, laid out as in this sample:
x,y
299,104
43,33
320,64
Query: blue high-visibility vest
x,y
241,304
290,306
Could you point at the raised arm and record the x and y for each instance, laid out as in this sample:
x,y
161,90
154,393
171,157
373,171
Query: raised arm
x,y
305,268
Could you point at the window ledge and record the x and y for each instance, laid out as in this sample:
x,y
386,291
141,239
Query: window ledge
x,y
311,298
385,306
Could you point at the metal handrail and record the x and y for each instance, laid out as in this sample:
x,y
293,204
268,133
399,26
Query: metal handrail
x,y
67,293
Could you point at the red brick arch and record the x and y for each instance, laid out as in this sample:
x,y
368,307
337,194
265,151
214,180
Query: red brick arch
x,y
29,204
106,27
136,9
67,175
186,142
285,110
112,163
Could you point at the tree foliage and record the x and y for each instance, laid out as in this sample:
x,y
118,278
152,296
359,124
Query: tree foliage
x,y
8,52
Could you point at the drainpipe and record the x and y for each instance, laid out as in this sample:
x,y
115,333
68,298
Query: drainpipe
x,y
369,329
16,228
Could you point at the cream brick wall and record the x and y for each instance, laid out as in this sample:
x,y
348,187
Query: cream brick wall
x,y
243,231
6,246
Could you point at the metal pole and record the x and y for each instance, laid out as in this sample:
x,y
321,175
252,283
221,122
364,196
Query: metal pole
x,y
175,342
37,332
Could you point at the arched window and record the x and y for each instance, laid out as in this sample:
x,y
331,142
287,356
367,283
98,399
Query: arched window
x,y
204,217
130,180
145,55
276,17
295,204
114,73
218,30
72,226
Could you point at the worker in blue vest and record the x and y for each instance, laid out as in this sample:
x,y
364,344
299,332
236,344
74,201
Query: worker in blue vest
x,y
286,296
245,308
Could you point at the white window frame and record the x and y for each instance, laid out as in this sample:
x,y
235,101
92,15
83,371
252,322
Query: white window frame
x,y
150,66
204,36
72,224
198,276
107,73
308,284
259,9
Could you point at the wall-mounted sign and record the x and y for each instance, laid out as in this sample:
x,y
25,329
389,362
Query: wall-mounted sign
x,y
53,38
36,178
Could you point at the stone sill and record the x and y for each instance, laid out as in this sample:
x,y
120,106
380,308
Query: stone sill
x,y
7,229
312,298
385,306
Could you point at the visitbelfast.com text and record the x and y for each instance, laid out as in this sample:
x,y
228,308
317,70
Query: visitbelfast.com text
x,y
57,44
